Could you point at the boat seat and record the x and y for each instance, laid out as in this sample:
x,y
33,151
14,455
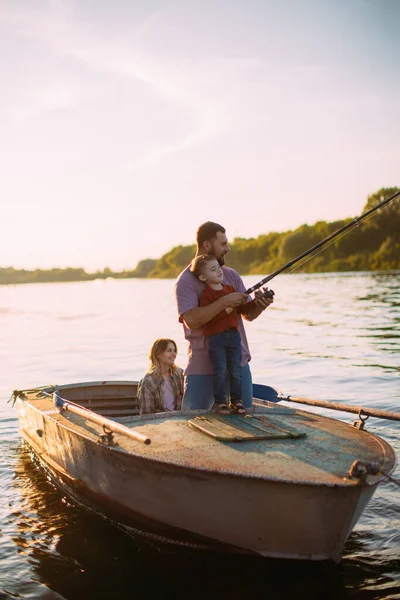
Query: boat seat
x,y
109,407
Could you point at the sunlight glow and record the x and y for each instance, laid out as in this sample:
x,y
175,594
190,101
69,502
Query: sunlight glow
x,y
125,126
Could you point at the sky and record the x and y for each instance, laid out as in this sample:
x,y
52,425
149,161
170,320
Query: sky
x,y
126,124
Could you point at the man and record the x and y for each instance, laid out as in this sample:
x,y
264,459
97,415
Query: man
x,y
211,239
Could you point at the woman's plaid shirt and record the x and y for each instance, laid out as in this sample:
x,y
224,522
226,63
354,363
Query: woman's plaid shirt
x,y
150,392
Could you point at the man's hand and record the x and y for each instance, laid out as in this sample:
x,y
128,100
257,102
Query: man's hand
x,y
263,299
252,310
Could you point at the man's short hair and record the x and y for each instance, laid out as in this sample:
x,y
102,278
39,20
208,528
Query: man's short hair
x,y
207,232
199,262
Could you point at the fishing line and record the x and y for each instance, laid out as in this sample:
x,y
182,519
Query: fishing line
x,y
346,228
320,250
391,479
340,237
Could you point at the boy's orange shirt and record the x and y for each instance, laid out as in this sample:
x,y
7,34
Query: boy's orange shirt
x,y
222,321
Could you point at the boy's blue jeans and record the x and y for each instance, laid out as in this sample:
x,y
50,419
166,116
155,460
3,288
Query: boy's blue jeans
x,y
199,390
225,350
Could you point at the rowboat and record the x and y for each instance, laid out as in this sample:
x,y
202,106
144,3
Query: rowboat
x,y
279,482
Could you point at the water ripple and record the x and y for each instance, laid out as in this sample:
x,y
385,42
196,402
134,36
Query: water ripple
x,y
308,344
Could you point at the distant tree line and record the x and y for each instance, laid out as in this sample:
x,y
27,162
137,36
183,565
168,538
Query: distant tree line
x,y
373,245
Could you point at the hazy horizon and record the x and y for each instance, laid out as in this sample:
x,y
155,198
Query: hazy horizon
x,y
126,125
100,269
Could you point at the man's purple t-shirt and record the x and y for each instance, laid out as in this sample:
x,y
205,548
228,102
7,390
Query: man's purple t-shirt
x,y
188,290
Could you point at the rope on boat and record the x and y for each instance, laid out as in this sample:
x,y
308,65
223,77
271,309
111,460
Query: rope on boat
x,y
391,479
22,393
360,469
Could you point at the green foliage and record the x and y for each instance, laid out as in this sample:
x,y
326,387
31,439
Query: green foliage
x,y
296,242
373,244
144,267
387,218
247,255
387,256
172,263
11,275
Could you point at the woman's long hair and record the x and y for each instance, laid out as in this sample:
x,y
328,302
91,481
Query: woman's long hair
x,y
159,346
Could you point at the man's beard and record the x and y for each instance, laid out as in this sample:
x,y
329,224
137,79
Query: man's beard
x,y
221,260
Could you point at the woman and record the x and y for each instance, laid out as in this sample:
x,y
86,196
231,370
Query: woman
x,y
161,389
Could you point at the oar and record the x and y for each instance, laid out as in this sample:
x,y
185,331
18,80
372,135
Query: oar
x,y
265,392
108,425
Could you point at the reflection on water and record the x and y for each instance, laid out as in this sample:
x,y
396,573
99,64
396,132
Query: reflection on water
x,y
386,329
67,547
80,556
327,336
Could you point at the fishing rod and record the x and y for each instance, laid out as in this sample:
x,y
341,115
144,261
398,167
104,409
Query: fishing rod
x,y
352,223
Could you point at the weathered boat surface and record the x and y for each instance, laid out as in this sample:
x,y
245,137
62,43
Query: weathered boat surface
x,y
284,490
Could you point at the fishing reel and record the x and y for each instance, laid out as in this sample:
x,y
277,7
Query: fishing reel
x,y
266,293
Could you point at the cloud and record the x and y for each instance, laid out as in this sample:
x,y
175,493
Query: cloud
x,y
206,93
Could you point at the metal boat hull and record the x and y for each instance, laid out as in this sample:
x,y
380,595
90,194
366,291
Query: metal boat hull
x,y
205,507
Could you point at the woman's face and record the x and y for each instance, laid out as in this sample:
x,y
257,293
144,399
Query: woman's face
x,y
167,357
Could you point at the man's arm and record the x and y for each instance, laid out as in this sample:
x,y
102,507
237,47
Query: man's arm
x,y
253,309
199,316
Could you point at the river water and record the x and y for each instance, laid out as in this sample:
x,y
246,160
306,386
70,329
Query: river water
x,y
330,336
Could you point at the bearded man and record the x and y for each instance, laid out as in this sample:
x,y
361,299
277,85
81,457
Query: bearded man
x,y
199,394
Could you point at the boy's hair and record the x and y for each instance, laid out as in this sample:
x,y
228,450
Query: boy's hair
x,y
199,262
208,232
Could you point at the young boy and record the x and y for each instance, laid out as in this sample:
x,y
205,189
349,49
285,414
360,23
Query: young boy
x,y
224,341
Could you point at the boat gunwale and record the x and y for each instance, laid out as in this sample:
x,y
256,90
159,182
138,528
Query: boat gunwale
x,y
371,480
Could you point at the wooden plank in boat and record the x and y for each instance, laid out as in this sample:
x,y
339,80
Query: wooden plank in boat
x,y
101,403
117,413
96,405
235,428
119,407
105,400
110,392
